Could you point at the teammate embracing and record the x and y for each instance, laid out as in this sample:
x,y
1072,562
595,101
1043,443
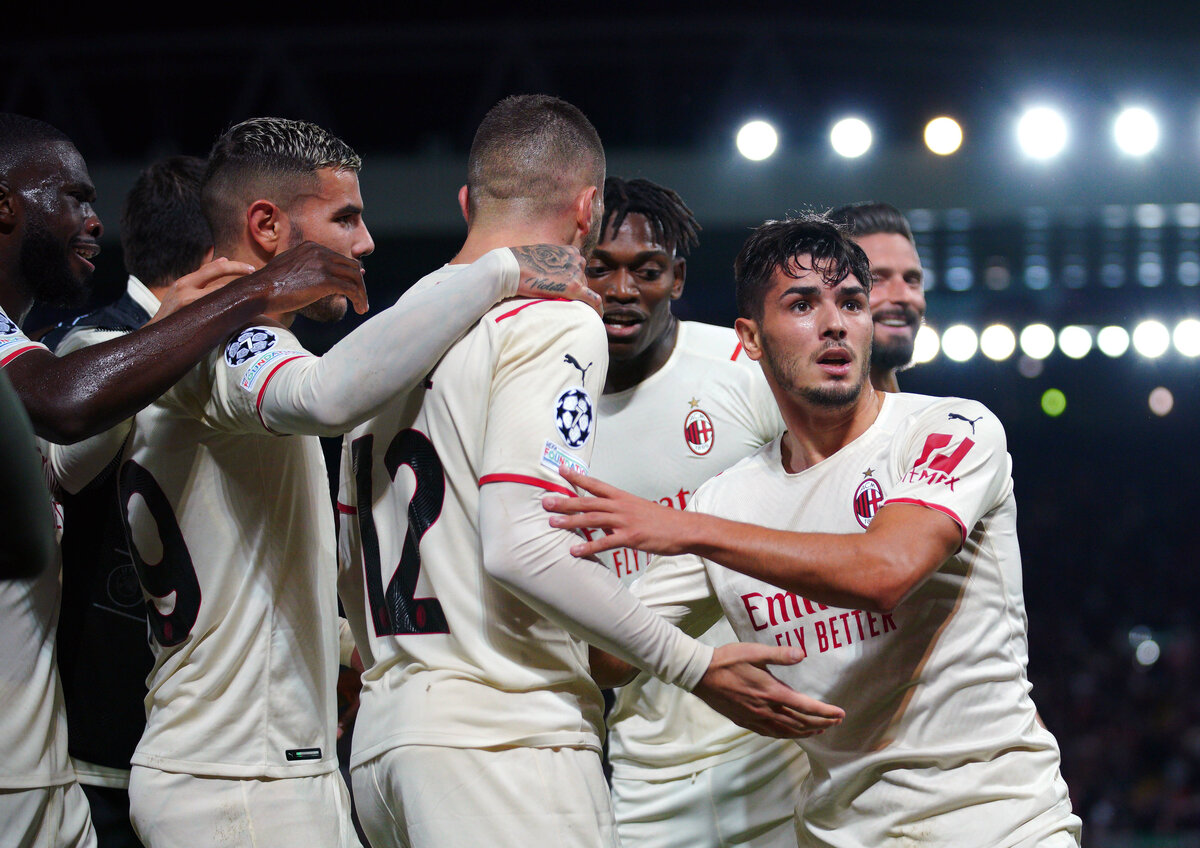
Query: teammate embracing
x,y
682,402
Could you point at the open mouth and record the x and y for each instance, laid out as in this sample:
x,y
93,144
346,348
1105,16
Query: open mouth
x,y
835,361
86,251
897,321
621,324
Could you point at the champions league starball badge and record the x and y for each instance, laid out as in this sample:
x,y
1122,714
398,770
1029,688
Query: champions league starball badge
x,y
249,343
573,416
7,327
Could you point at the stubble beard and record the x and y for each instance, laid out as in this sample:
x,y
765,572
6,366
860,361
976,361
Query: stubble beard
x,y
45,264
895,355
786,371
329,309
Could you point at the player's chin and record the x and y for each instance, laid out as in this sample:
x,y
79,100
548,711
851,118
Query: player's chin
x,y
328,309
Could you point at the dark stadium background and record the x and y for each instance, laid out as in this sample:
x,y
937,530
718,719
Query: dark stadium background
x,y
1107,491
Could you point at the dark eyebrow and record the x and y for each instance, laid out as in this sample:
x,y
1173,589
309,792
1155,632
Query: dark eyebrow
x,y
803,291
638,259
348,209
852,290
86,189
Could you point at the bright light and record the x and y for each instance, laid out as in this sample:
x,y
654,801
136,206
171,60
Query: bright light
x,y
926,345
1161,401
943,136
997,342
1042,133
1075,342
757,140
1147,652
1114,341
1187,337
1151,339
1037,341
1054,402
959,342
1136,131
850,137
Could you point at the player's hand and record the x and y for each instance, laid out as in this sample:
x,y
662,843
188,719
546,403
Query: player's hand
x,y
553,270
197,284
307,273
739,687
627,520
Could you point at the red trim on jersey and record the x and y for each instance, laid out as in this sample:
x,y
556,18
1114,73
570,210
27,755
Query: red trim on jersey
x,y
942,509
526,305
737,351
528,481
17,353
266,382
346,509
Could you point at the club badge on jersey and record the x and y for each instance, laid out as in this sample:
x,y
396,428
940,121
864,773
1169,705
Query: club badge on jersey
x,y
573,416
698,430
867,498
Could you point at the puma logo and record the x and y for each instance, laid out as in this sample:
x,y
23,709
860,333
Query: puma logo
x,y
970,421
570,360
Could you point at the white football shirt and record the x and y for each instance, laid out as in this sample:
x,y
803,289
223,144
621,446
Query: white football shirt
x,y
706,408
33,721
453,657
941,742
236,552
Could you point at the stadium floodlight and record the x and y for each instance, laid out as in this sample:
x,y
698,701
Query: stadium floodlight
x,y
1075,342
1037,341
1054,402
850,137
757,140
925,345
1114,341
959,342
1151,339
1187,337
997,342
1042,133
943,136
1136,131
1161,401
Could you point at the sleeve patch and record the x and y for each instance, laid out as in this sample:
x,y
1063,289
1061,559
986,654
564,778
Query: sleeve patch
x,y
249,343
250,378
553,456
7,328
574,416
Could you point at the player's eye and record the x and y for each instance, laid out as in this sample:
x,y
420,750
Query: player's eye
x,y
650,274
595,271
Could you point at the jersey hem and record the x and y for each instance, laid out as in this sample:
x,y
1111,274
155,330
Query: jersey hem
x,y
631,769
309,769
528,481
563,739
7,358
962,527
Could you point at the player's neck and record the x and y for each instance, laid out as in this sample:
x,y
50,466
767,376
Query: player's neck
x,y
15,301
815,433
626,373
481,239
884,379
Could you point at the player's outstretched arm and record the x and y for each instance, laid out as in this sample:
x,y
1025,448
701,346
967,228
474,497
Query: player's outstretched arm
x,y
396,349
874,570
89,391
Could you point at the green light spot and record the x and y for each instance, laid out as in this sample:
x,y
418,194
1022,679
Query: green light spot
x,y
1053,402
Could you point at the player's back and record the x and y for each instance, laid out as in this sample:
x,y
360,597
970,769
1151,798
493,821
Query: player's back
x,y
230,537
458,660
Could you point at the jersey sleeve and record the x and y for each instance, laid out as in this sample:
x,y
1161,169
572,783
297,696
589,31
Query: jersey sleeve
x,y
238,375
74,466
952,457
678,589
550,367
13,342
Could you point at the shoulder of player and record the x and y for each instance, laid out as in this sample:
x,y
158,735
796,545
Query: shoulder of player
x,y
716,345
951,412
729,485
521,316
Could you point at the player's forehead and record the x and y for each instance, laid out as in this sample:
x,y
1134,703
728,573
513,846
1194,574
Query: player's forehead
x,y
889,250
54,165
813,277
332,188
634,236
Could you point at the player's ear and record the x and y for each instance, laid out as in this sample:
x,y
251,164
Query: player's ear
x,y
585,211
268,226
680,268
464,203
748,335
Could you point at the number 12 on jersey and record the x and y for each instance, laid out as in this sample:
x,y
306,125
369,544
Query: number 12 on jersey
x,y
396,610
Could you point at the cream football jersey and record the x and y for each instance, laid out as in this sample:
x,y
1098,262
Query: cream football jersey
x,y
454,658
33,722
941,743
707,408
230,532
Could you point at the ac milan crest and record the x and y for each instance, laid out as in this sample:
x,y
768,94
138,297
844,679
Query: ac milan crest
x,y
698,432
867,498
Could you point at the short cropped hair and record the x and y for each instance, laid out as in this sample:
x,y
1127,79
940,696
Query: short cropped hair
x,y
272,158
780,244
870,217
671,222
20,136
534,149
164,234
